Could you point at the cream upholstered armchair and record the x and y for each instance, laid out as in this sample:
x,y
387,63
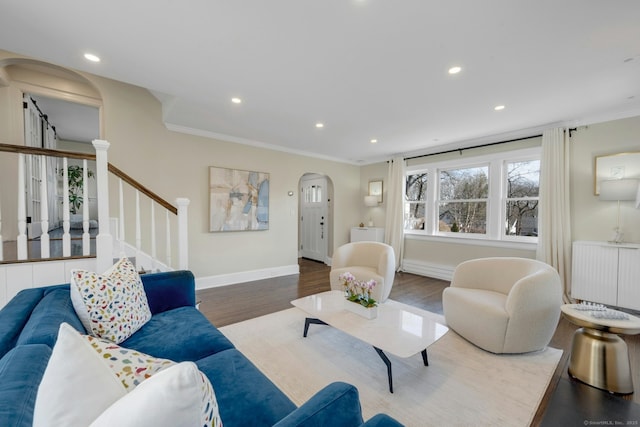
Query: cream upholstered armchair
x,y
365,260
504,305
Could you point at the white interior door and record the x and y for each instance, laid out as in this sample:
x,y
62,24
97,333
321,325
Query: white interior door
x,y
32,138
314,224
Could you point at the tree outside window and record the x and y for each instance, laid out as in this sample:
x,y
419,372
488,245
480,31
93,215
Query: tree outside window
x,y
463,196
523,186
415,200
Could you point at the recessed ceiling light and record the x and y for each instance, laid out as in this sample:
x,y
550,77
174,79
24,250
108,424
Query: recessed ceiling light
x,y
498,107
455,70
374,141
319,125
91,57
236,100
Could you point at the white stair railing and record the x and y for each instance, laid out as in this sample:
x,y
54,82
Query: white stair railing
x,y
105,248
44,210
21,243
104,240
66,223
86,237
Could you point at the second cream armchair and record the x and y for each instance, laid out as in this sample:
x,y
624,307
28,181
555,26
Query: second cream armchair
x,y
366,261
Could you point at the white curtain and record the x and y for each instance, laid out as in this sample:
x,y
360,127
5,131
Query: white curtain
x,y
394,224
554,222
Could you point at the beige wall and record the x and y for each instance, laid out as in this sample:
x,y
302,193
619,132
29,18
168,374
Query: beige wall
x,y
374,172
591,218
176,165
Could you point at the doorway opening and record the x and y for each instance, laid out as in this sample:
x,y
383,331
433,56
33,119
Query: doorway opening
x,y
44,106
315,223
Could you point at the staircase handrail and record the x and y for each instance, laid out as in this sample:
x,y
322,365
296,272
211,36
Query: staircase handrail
x,y
12,148
104,240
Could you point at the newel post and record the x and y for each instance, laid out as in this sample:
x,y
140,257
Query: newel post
x,y
104,240
183,233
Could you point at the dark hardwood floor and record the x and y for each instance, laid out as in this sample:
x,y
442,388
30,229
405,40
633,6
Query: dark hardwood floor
x,y
566,402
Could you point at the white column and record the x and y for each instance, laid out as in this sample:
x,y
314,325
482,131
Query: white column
x,y
1,241
183,233
154,252
121,222
44,210
138,232
104,240
168,238
86,238
66,225
22,210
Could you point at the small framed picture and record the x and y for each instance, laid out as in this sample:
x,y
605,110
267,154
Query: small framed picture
x,y
375,189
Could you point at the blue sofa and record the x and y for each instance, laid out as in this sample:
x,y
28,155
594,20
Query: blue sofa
x,y
29,326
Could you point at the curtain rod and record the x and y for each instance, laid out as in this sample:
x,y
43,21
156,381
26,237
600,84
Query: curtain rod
x,y
480,146
460,150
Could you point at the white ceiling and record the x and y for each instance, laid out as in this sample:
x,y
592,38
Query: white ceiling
x,y
365,68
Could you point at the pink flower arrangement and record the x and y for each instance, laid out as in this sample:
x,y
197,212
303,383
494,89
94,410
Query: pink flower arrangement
x,y
358,291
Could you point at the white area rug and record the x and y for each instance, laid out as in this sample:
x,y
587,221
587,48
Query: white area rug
x,y
462,386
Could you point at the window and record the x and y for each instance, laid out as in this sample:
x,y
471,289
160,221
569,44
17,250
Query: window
x,y
462,201
492,197
523,186
415,201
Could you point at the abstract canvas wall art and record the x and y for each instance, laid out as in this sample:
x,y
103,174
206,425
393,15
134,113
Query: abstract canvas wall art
x,y
238,200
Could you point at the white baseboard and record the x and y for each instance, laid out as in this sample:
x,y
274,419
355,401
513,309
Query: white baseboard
x,y
245,276
437,271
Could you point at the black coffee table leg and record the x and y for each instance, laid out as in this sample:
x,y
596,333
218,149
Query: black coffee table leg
x,y
387,362
424,357
308,321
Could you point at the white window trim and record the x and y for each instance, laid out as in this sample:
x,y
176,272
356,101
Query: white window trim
x,y
496,207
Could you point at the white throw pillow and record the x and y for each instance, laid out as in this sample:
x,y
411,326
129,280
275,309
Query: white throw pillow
x,y
85,375
77,385
113,305
177,396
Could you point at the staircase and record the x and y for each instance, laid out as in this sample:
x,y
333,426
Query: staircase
x,y
28,261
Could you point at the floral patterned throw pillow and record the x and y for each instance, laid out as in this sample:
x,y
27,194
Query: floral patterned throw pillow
x,y
112,305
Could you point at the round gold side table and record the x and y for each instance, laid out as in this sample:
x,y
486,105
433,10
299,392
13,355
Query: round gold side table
x,y
599,357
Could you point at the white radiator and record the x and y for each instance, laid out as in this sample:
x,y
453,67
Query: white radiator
x,y
594,273
606,273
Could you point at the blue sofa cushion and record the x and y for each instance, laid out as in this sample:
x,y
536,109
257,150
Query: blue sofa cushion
x,y
246,397
382,420
14,316
21,370
169,290
182,334
336,405
43,325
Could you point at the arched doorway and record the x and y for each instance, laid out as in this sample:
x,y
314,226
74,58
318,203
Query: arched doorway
x,y
315,222
44,105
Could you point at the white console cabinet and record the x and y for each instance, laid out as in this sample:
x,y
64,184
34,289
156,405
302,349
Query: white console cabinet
x,y
370,234
606,273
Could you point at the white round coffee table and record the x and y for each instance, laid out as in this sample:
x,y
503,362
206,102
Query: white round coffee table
x,y
599,357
